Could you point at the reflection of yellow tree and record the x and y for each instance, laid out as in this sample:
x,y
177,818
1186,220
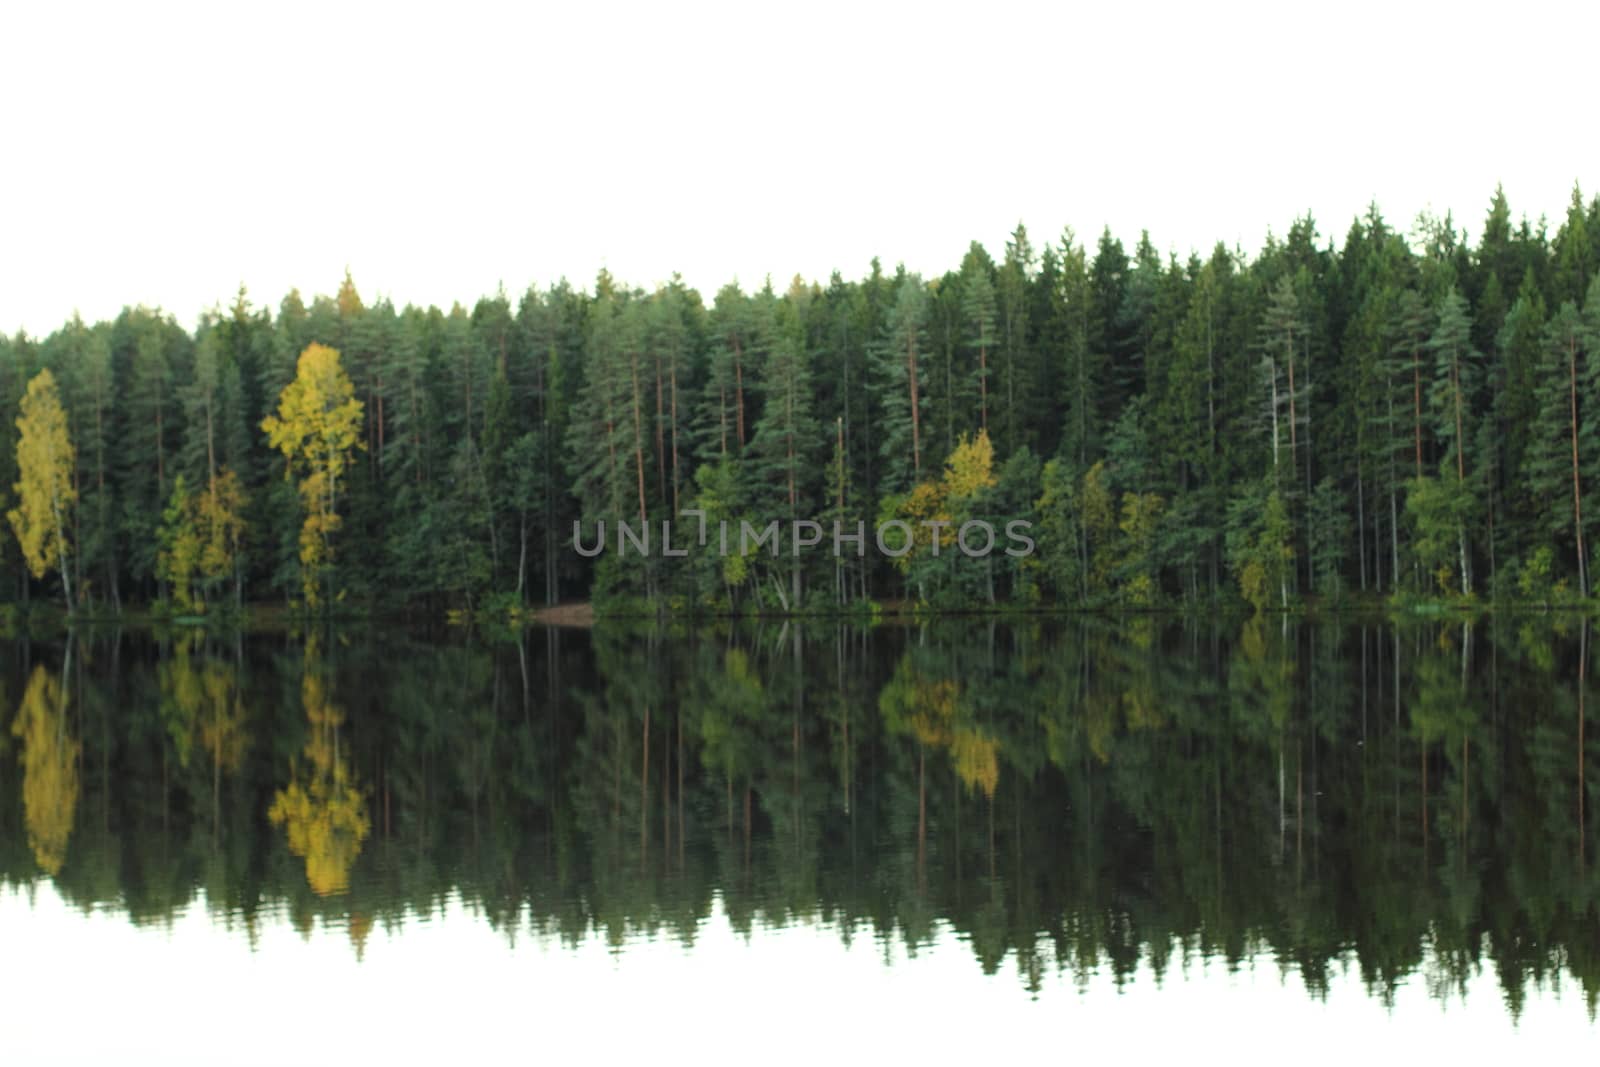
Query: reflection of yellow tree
x,y
49,769
360,929
206,697
323,809
977,759
1141,700
222,730
181,699
1100,723
932,710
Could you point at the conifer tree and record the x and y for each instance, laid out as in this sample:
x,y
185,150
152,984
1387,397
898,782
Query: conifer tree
x,y
901,385
978,330
1450,400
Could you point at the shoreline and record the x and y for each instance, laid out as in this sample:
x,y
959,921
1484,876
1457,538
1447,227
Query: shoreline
x,y
585,615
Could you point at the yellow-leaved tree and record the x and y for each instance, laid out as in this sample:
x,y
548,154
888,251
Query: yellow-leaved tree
x,y
180,545
45,493
221,525
49,769
935,711
317,427
323,808
200,536
943,500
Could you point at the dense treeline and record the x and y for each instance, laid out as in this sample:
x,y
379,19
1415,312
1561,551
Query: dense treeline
x,y
1406,803
1390,415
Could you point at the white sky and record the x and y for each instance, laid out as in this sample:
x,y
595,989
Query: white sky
x,y
160,154
449,990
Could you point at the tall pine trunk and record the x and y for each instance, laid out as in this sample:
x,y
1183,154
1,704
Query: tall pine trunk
x,y
1577,489
916,426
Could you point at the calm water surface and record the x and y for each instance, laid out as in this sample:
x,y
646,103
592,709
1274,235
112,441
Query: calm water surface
x,y
780,842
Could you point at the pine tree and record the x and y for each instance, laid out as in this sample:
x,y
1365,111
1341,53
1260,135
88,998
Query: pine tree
x,y
900,386
978,335
731,327
1413,324
1450,400
1574,252
1018,378
1554,467
839,507
785,431
149,421
669,342
596,439
1081,370
1109,340
82,355
1280,336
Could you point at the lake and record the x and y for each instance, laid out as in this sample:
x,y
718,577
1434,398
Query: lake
x,y
1076,837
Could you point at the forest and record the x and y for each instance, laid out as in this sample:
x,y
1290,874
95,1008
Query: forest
x,y
1405,416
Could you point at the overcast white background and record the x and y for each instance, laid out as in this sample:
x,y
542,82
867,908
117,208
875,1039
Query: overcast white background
x,y
451,990
164,154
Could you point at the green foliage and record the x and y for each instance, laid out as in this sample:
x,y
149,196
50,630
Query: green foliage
x,y
1260,547
1438,509
180,545
1142,410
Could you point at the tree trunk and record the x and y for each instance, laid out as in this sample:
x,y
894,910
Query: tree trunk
x,y
61,547
638,460
661,451
911,372
672,370
983,388
1577,492
1461,474
1272,370
738,388
1361,527
1394,511
1416,404
522,555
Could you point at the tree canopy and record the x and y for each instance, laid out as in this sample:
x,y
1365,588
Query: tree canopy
x,y
1376,416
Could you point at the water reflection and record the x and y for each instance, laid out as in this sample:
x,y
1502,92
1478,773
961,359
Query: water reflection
x,y
322,809
49,769
1077,798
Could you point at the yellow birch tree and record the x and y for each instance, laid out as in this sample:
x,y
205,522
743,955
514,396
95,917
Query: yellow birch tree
x,y
323,808
49,769
180,545
200,536
317,427
45,493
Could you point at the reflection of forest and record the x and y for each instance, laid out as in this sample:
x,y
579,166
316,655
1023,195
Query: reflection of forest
x,y
1412,799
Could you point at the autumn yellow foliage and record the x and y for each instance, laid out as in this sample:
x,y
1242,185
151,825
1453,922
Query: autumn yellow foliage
x,y
204,697
45,492
317,427
322,808
49,769
969,468
932,710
